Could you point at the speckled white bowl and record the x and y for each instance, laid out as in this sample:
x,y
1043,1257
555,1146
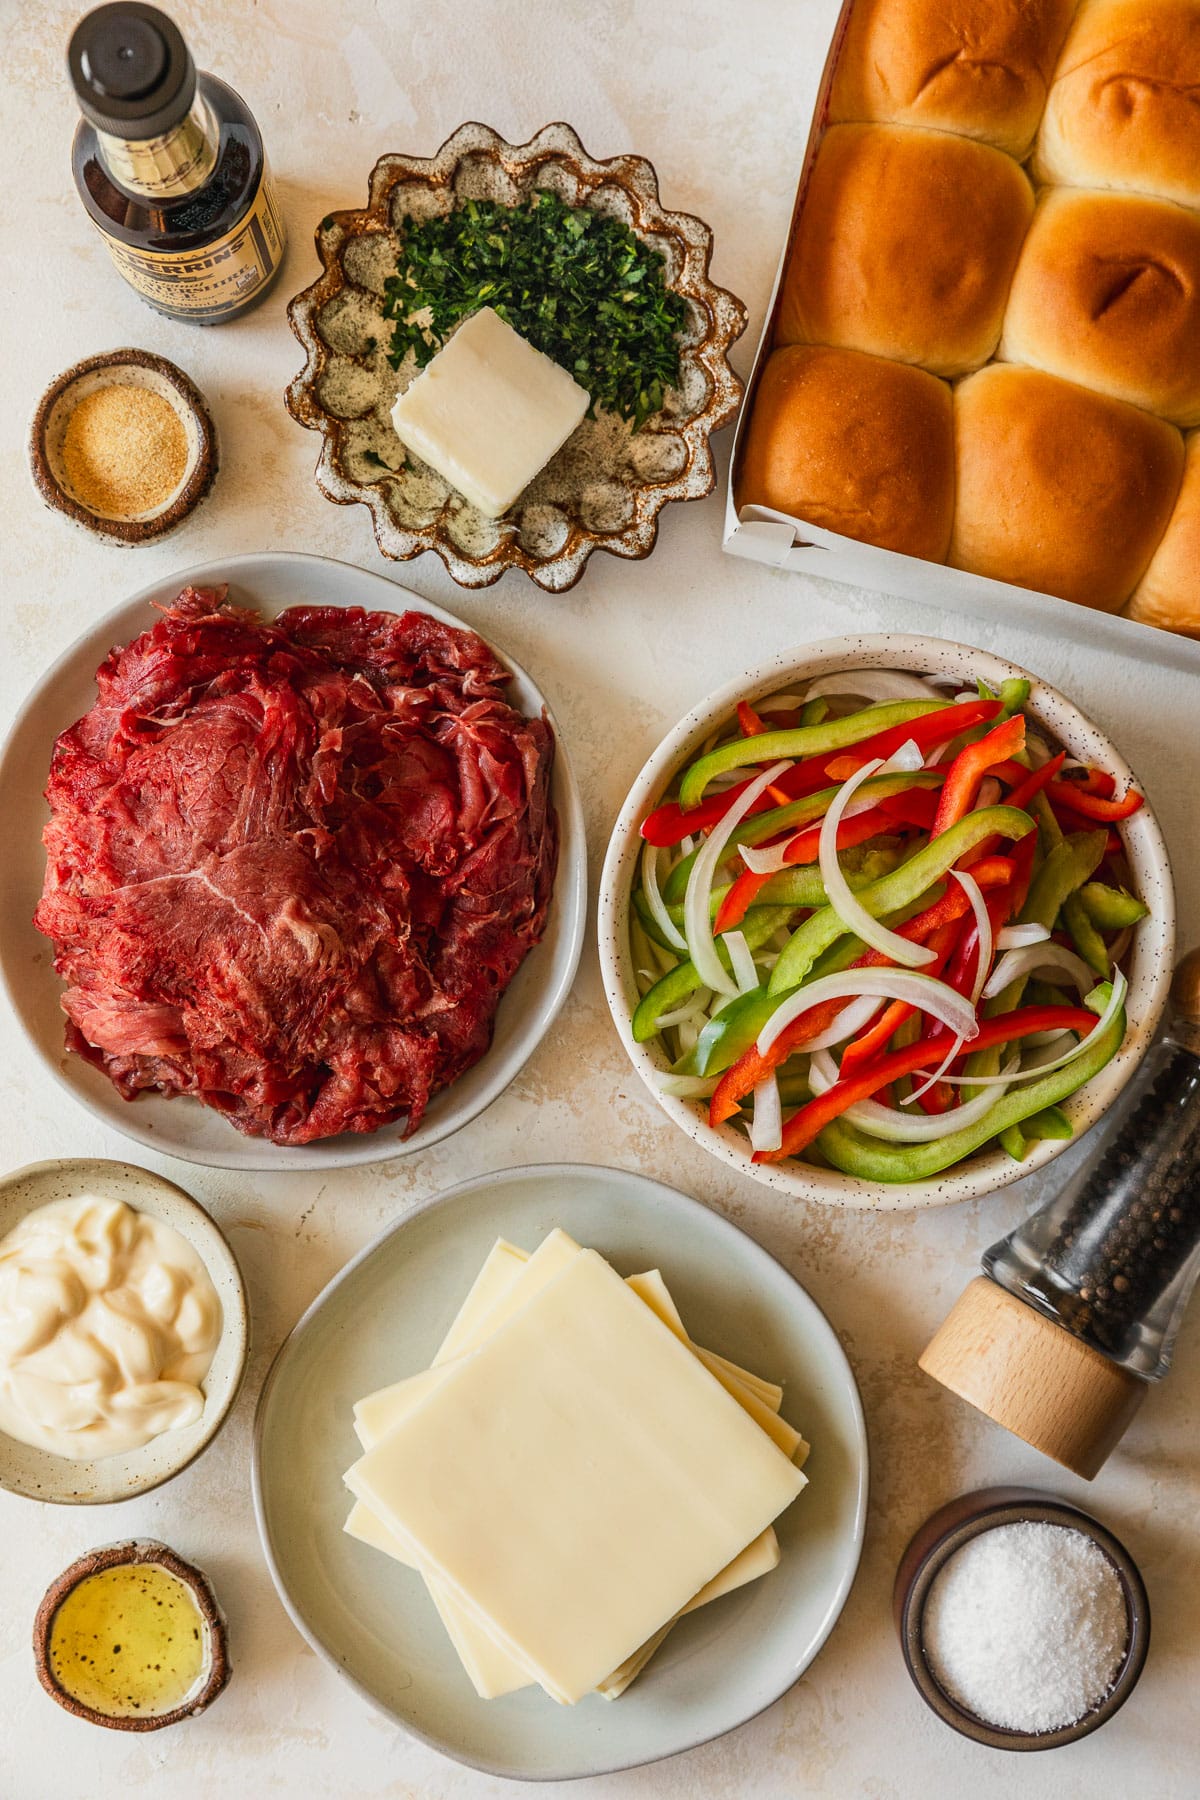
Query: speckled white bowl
x,y
1150,963
39,1474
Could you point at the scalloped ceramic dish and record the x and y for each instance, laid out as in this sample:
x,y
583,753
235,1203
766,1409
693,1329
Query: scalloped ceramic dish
x,y
1150,962
606,487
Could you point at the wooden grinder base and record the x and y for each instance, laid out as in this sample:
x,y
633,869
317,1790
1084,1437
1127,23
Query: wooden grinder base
x,y
1033,1377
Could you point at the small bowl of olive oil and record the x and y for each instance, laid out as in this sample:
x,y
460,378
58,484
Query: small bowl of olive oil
x,y
131,1637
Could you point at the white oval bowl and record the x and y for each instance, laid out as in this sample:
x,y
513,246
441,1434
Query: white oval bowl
x,y
40,1474
1151,959
181,1126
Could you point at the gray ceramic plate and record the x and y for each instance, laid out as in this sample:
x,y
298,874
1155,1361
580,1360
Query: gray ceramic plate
x,y
383,1317
183,1127
39,1474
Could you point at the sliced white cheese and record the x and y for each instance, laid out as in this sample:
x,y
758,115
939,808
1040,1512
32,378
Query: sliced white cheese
x,y
489,412
651,1288
756,1560
575,1501
504,1263
494,1295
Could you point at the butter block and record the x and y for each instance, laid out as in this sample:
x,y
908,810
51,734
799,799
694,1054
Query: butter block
x,y
489,412
575,1502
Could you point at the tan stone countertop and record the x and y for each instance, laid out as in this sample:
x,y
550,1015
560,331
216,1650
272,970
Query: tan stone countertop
x,y
718,98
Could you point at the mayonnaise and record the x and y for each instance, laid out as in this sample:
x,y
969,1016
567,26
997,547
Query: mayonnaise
x,y
108,1325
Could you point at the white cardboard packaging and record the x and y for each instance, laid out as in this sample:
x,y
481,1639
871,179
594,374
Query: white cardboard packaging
x,y
784,542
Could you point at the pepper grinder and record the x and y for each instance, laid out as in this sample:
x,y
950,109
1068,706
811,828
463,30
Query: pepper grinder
x,y
1078,1309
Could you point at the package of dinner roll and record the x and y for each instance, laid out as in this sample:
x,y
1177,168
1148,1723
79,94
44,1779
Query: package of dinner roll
x,y
978,385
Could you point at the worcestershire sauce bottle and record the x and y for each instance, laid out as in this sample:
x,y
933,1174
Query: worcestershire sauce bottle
x,y
170,167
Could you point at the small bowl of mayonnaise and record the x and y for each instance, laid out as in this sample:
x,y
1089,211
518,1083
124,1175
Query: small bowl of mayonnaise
x,y
123,1331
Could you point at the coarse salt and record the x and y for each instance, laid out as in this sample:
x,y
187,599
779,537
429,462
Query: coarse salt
x,y
1026,1626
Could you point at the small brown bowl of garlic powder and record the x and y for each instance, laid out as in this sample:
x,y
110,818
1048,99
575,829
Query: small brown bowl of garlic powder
x,y
1024,1623
124,445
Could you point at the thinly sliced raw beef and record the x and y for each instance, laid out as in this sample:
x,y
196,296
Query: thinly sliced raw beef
x,y
292,866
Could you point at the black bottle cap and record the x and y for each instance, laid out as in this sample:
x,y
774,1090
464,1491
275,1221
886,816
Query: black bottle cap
x,y
132,72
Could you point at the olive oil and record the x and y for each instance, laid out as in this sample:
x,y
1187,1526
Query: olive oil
x,y
129,1640
171,169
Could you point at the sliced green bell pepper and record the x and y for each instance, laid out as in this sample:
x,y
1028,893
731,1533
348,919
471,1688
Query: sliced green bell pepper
x,y
675,986
873,1160
762,826
798,742
730,1034
1084,936
1109,908
909,882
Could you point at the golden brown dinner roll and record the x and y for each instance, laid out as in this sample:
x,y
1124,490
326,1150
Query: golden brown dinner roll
x,y
853,443
1124,105
906,244
1107,293
1058,488
1169,592
977,67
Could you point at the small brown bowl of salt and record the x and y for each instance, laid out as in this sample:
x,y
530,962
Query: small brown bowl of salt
x,y
123,444
1023,1621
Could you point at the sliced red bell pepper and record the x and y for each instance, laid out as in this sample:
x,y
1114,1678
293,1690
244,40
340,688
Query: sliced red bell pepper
x,y
804,848
873,1042
862,1051
1094,781
1091,806
925,732
961,786
917,807
749,721
669,824
1020,796
751,1068
812,1118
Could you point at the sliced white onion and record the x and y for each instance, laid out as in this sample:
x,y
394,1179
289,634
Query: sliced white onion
x,y
688,1034
683,1015
1030,957
744,971
983,925
983,962
1120,988
697,924
850,1021
686,1087
766,1127
853,915
873,684
989,793
909,1128
655,901
780,703
1013,936
923,991
768,859
686,847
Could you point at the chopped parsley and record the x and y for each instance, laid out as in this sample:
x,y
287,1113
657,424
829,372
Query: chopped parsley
x,y
578,285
